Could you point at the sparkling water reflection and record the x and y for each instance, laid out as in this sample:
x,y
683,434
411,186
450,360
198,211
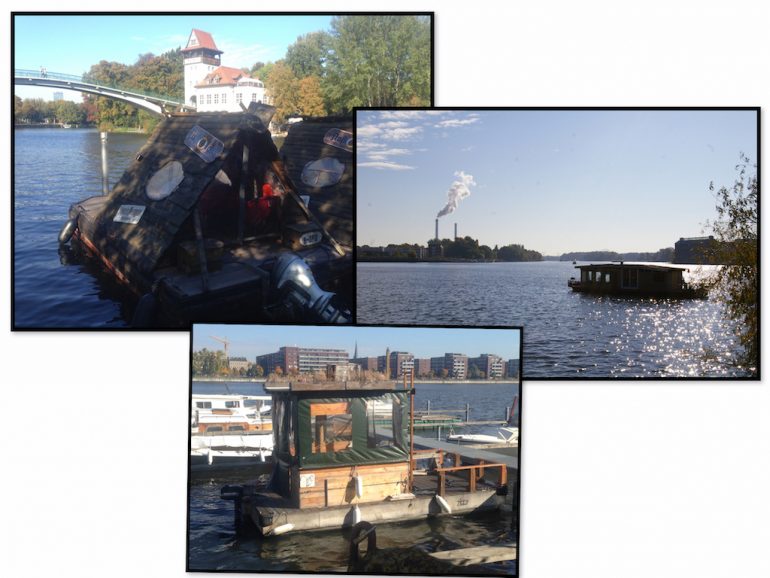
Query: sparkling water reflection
x,y
566,334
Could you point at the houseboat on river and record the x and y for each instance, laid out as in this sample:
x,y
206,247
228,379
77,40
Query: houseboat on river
x,y
336,463
229,431
635,280
211,223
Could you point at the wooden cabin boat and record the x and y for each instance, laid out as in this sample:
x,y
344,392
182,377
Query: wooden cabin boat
x,y
634,280
336,463
211,223
230,431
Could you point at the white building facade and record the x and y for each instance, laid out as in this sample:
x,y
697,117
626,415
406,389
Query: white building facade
x,y
211,87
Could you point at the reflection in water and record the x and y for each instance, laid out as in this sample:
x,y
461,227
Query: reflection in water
x,y
566,334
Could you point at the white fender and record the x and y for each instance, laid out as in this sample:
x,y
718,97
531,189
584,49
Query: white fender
x,y
359,486
443,504
210,457
356,514
282,529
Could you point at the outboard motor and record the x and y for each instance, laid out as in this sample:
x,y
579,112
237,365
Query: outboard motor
x,y
293,278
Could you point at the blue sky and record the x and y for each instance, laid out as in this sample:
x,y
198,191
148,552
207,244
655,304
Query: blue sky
x,y
251,340
554,181
71,44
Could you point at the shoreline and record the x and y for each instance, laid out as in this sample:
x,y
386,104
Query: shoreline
x,y
433,381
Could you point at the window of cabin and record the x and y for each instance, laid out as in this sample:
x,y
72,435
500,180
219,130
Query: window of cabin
x,y
606,277
235,428
591,276
203,404
232,404
630,278
214,428
332,427
379,422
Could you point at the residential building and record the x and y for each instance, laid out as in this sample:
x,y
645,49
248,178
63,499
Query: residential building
x,y
301,360
490,364
237,363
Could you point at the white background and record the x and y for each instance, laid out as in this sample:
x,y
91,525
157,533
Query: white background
x,y
619,479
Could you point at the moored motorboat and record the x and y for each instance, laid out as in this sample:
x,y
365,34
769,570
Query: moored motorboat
x,y
506,435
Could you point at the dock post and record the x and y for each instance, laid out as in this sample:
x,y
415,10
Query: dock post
x,y
428,410
507,413
467,412
105,165
438,436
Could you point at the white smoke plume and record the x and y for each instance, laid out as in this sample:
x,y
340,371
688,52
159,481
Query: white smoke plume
x,y
457,192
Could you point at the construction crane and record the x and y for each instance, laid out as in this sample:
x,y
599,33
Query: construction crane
x,y
226,343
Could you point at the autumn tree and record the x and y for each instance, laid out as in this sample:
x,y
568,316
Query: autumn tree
x,y
310,101
736,283
283,88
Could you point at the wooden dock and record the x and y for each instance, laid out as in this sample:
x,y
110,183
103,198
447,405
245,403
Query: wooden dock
x,y
472,453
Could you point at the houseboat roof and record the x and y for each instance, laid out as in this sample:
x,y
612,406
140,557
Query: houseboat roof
x,y
649,266
328,386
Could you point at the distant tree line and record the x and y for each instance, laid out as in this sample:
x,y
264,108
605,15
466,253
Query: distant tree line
x,y
39,111
460,249
662,255
206,363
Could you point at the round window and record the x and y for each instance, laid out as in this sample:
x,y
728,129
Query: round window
x,y
165,181
323,172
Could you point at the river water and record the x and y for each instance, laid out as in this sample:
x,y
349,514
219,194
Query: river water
x,y
53,287
566,334
214,543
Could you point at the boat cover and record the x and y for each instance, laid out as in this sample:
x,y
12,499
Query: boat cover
x,y
329,139
136,248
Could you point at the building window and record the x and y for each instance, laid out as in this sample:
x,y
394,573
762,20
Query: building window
x,y
216,99
239,97
253,97
208,99
224,98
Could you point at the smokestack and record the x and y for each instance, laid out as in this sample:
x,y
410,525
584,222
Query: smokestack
x,y
436,229
455,231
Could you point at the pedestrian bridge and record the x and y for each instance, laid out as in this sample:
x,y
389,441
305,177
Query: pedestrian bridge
x,y
154,103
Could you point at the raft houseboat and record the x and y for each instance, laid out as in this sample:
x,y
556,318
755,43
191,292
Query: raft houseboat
x,y
336,464
230,431
634,280
211,223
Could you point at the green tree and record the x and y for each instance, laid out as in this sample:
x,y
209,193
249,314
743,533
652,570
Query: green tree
x,y
308,55
259,371
310,101
378,61
69,112
736,284
18,103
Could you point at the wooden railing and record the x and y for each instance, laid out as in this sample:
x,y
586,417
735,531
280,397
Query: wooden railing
x,y
475,472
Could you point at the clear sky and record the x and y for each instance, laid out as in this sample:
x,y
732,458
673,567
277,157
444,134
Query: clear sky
x,y
71,44
553,181
252,340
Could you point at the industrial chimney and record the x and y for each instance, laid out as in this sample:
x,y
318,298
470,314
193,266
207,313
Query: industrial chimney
x,y
455,231
436,229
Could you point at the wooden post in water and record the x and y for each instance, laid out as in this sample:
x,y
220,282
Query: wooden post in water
x,y
411,431
467,412
105,165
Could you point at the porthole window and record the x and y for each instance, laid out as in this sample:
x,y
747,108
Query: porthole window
x,y
165,181
323,172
